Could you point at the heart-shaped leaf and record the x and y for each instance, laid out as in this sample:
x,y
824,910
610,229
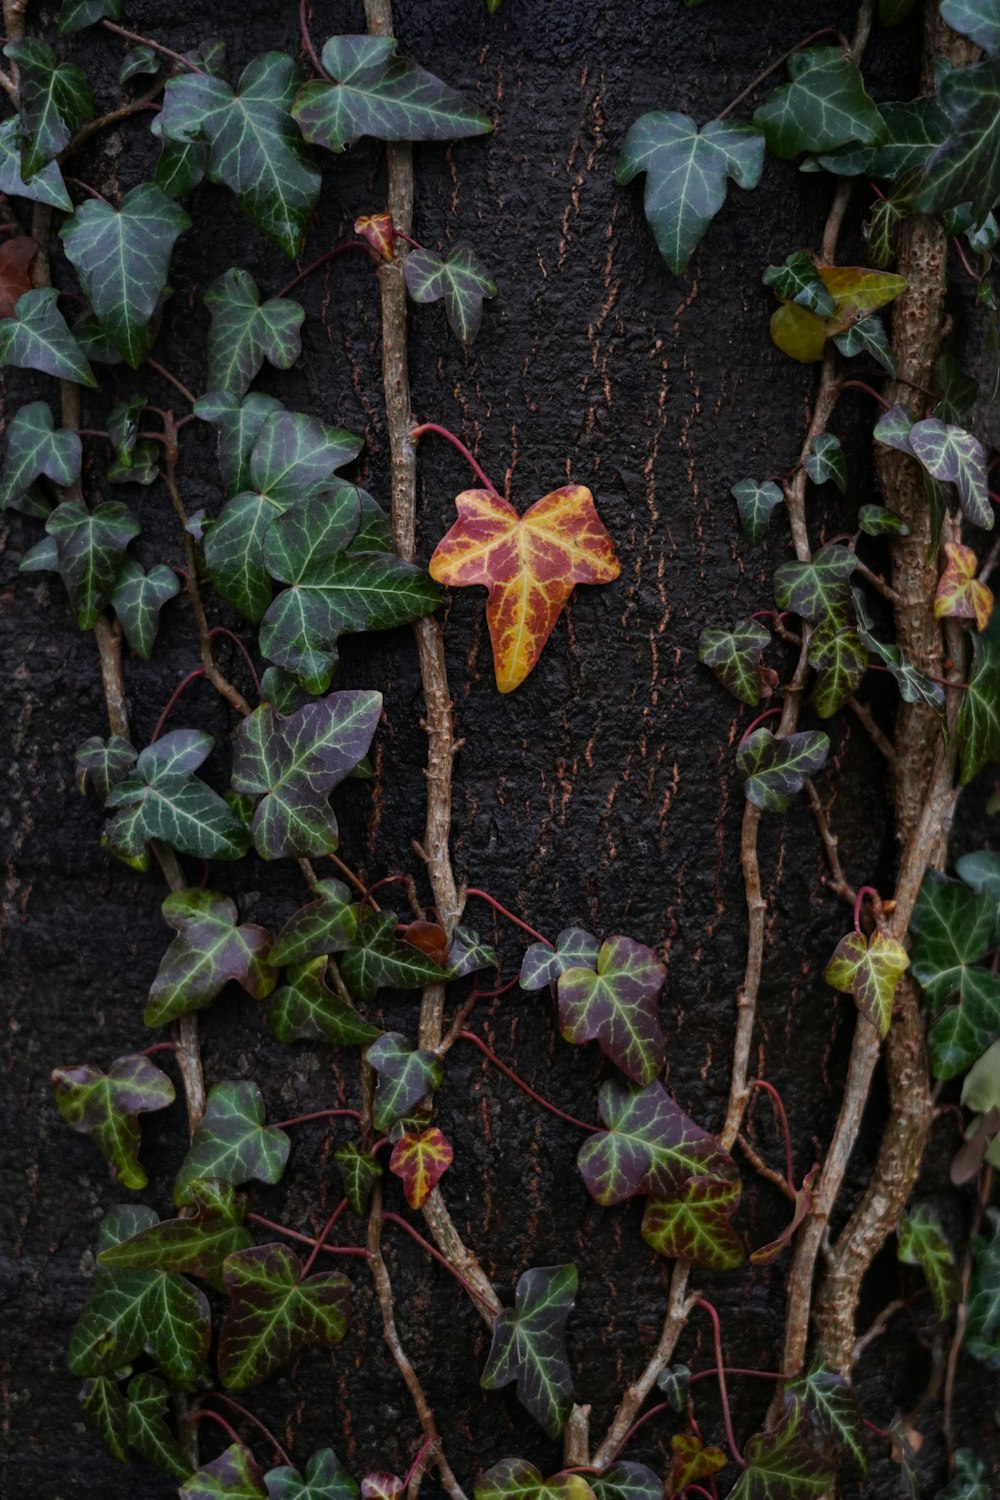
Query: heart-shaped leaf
x,y
692,1461
46,186
781,1465
103,763
147,1429
34,448
381,1486
54,101
325,1479
194,1246
954,456
162,799
246,332
734,657
232,1142
627,1481
379,232
650,1146
360,1173
826,459
818,589
869,969
239,424
273,1313
965,167
756,500
234,1475
305,1009
102,1406
210,950
469,953
799,281
830,1405
960,594
822,107
459,279
516,1479
675,1383
420,1161
543,965
867,337
923,1243
378,960
139,62
328,924
840,661
529,1345
404,1077
137,599
38,338
777,769
857,292
106,1106
90,547
978,725
693,1224
614,1004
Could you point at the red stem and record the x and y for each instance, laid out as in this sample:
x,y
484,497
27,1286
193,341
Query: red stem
x,y
413,1467
159,1047
416,432
323,1237
308,41
386,880
723,1393
87,188
760,1083
751,727
184,682
970,272
470,1036
697,1489
319,1114
654,1411
879,1431
248,1416
328,255
474,890
391,1218
134,36
492,994
231,634
408,239
307,1239
866,890
861,386
213,1416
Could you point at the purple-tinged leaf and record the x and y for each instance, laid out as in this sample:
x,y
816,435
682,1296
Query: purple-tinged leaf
x,y
420,1161
245,332
103,763
232,1142
777,768
210,950
360,1173
516,1479
869,969
818,590
162,799
458,278
106,1106
469,953
139,596
543,965
650,1146
234,1475
803,1203
328,924
404,1077
381,1486
692,1461
735,657
694,1224
529,1345
379,960
325,1479
781,1465
831,1406
954,456
614,1004
627,1481
195,1246
90,546
273,1313
306,1009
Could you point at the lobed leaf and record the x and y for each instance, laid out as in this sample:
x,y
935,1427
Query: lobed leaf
x,y
840,660
90,547
627,1481
305,1009
516,1479
103,763
232,1142
756,500
818,589
162,799
776,769
469,953
379,960
147,1429
923,1243
694,1224
54,102
869,969
76,15
137,599
914,687
239,424
327,924
543,965
274,1313
867,337
360,1172
781,1465
195,1245
405,1075
529,1345
954,456
856,292
692,1461
325,1479
971,1481
978,724
960,594
650,1146
234,1475
420,1161
245,332
799,281
982,1322
824,105
965,166
37,338
734,656
34,448
614,1004
459,279
106,1106
826,458
830,1404
46,186
211,950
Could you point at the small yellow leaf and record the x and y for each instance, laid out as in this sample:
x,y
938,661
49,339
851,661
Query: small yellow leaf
x,y
960,593
857,292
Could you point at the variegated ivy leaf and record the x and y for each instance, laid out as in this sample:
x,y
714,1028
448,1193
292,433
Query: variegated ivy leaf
x,y
650,1146
76,15
965,167
238,424
375,92
879,230
293,764
614,1004
867,337
33,448
194,1246
360,1172
781,1464
379,960
818,589
876,520
381,1486
273,1313
103,1407
54,101
823,106
420,1161
960,594
38,338
982,1324
458,278
543,965
913,686
46,186
90,547
976,19
856,293
378,231
137,599
830,1405
405,1075
254,147
923,1243
687,174
140,1312
328,924
693,1224
978,725
325,1479
232,1142
948,453
245,332
840,661
163,799
211,950
734,657
826,458
869,969
122,256
692,1461
529,1345
106,1106
306,1009
777,768
799,281
147,1429
103,763
674,1382
756,500
516,1479
627,1481
234,1475
469,953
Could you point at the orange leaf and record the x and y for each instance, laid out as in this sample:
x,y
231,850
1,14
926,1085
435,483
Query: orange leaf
x,y
430,938
959,591
529,563
801,334
15,257
421,1161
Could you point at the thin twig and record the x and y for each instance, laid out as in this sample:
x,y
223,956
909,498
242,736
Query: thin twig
x,y
113,117
145,41
838,882
878,739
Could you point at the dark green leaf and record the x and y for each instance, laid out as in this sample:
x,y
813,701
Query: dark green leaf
x,y
650,1146
459,279
94,342
283,692
818,589
404,1077
832,1406
965,167
163,799
380,960
181,165
38,339
971,1481
90,546
923,1243
957,391
627,1481
239,424
137,600
232,1142
982,1323
210,951
799,281
981,872
325,1479
54,102
140,62
103,1407
879,229
840,661
756,500
307,1010
866,337
34,448
914,687
955,928
777,768
876,520
46,186
781,1465
543,965
963,1034
76,15
195,1246
246,332
529,1345
694,1224
104,762
147,1428
826,457
106,1106
234,1475
915,127
360,1173
123,426
273,1313
328,924
614,1004
734,657
674,1382
978,725
979,20
823,106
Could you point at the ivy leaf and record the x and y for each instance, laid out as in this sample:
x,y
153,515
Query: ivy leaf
x,y
469,953
135,1312
781,1465
822,107
360,1172
280,689
830,1405
103,1408
46,186
694,1224
965,167
328,924
960,594
978,724
876,520
879,230
923,1243
516,1479
147,1429
234,1475
970,1482
826,457
614,1004
734,657
245,332
976,19
90,546
232,1142
913,686
867,337
650,1146
981,872
529,1345
137,599
674,1382
34,448
123,427
103,763
162,799
799,281
122,257
306,1010
776,769
378,960
687,174
692,1461
181,166
627,1481
953,455
54,102
381,1486
273,1313
210,950
139,62
254,147
38,339
982,1322
543,965
325,1479
378,231
239,424
869,969
16,256
420,1161
293,764
856,292
756,501
459,279
377,93
194,1246
819,589
404,1077
914,127
840,661
955,928
106,1106
77,15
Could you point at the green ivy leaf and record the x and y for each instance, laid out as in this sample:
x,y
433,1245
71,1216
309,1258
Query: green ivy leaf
x,y
469,953
529,1345
379,960
239,424
840,661
54,102
614,1004
273,1313
46,186
77,15
307,1010
103,1408
194,1246
826,458
818,589
981,872
90,546
254,147
232,1142
139,62
734,657
914,128
234,1475
181,165
377,93
360,1173
147,1429
39,339
914,687
328,924
136,1312
404,1077
799,281
978,725
781,1465
210,951
516,1479
830,1405
876,520
627,1481
982,1321
103,763
976,19
459,279
325,1479
923,1243
756,501
879,229
122,257
543,965
869,969
245,332
283,692
34,448
777,768
694,1224
650,1146
866,337
822,107
687,172
106,1106
137,599
970,1482
293,764
955,928
163,799
674,1382
965,167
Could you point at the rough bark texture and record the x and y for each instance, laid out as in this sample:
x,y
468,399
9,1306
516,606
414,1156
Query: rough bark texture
x,y
604,791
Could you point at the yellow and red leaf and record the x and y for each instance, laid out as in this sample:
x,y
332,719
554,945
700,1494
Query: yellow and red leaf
x,y
420,1161
959,592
